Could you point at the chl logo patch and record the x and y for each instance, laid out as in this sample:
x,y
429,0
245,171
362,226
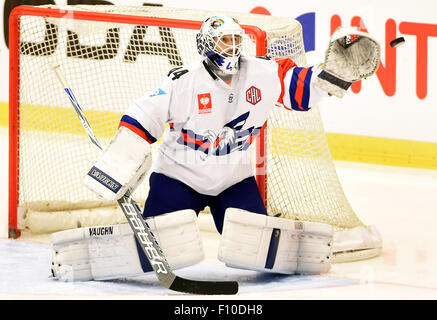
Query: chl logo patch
x,y
253,95
204,103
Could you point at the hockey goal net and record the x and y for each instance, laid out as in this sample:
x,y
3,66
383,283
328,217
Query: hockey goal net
x,y
111,55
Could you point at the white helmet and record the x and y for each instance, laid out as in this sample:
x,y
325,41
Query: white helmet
x,y
224,53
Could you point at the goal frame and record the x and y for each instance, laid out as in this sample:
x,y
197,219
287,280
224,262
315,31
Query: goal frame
x,y
257,34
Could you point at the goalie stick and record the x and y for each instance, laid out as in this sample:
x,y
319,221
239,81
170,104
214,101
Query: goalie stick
x,y
142,231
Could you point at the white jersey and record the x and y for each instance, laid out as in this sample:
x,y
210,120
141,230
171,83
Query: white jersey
x,y
211,124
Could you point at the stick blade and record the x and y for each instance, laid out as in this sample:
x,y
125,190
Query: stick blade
x,y
204,287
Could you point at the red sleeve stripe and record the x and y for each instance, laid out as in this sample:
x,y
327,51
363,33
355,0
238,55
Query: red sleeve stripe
x,y
137,128
284,64
300,88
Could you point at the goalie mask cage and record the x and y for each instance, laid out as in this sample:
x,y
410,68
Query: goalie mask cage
x,y
111,55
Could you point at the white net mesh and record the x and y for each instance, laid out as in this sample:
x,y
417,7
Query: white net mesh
x,y
109,64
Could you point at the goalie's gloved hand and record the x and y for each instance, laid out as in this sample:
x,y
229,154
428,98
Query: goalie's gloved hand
x,y
352,55
121,167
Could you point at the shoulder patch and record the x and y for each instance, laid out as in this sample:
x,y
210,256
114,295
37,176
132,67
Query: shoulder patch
x,y
157,92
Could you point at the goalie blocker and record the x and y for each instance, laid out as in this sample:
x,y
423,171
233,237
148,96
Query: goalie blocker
x,y
121,167
111,252
271,244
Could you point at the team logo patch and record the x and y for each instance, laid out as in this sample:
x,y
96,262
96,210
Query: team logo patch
x,y
253,95
204,103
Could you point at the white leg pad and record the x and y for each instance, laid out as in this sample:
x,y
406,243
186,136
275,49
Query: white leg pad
x,y
270,244
110,252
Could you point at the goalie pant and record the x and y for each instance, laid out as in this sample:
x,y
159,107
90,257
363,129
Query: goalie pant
x,y
167,195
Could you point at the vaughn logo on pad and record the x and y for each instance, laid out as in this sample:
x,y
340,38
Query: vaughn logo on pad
x,y
104,179
101,231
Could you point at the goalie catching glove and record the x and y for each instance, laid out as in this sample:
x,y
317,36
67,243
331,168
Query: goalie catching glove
x,y
352,55
121,167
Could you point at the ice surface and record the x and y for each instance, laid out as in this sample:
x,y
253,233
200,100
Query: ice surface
x,y
25,269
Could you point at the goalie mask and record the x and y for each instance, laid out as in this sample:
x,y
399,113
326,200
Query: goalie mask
x,y
219,39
